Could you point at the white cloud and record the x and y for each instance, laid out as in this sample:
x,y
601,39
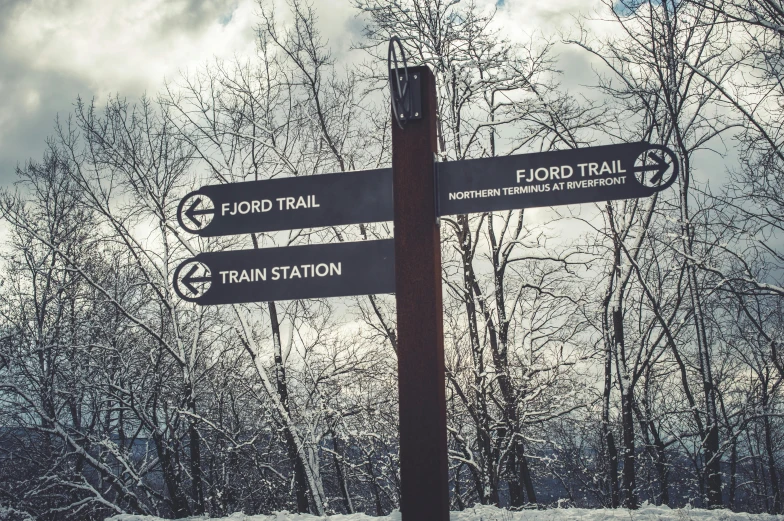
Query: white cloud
x,y
112,45
52,51
546,17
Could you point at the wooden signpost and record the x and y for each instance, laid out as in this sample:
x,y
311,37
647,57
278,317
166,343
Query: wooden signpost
x,y
424,482
413,194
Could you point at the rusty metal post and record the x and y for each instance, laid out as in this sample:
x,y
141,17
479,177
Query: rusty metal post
x,y
423,452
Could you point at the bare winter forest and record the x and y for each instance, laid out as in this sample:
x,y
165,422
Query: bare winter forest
x,y
601,355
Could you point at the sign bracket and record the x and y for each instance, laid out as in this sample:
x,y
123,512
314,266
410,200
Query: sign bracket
x,y
405,87
435,192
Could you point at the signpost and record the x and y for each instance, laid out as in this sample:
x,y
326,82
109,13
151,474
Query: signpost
x,y
409,265
424,481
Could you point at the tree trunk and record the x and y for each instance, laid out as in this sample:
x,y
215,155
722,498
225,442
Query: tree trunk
x,y
300,479
664,474
656,447
300,483
458,499
488,481
774,478
612,462
520,478
733,473
197,492
526,474
179,503
711,446
516,498
341,475
376,489
627,417
611,451
629,486
711,439
712,454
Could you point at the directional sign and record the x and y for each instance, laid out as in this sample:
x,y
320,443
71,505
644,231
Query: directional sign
x,y
288,203
295,272
582,175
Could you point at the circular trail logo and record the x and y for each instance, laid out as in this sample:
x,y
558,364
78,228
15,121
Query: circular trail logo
x,y
195,212
656,168
192,279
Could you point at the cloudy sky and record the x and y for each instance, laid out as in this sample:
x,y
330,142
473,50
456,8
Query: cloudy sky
x,y
52,51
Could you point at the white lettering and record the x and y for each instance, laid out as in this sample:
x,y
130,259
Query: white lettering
x,y
335,269
591,183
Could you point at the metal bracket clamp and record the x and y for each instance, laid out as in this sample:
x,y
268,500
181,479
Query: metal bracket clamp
x,y
405,88
437,201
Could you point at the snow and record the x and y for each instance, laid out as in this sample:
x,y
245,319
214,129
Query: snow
x,y
490,513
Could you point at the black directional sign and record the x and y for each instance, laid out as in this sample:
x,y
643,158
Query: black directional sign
x,y
288,203
582,175
295,272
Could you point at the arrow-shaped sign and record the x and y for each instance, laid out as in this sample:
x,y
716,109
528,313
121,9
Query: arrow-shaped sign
x,y
582,175
294,272
289,203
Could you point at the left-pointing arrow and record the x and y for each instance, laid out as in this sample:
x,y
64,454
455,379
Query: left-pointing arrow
x,y
189,280
195,212
192,279
192,213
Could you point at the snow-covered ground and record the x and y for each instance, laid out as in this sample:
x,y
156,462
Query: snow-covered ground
x,y
488,513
